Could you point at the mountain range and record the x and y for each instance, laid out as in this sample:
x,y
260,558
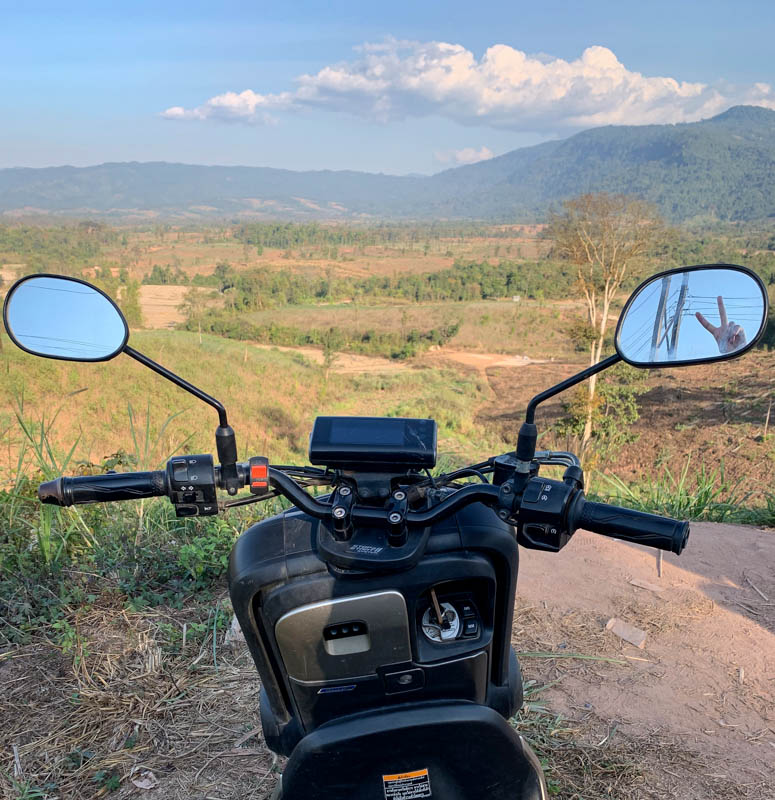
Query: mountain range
x,y
718,168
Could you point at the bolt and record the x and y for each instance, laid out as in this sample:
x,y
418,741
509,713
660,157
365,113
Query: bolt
x,y
339,513
344,491
503,514
399,495
394,518
506,489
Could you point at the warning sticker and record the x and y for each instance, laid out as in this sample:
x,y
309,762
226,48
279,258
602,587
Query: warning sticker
x,y
407,785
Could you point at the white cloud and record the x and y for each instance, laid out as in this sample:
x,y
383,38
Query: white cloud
x,y
506,88
468,155
247,106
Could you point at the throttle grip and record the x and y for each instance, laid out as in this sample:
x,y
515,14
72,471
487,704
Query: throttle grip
x,y
651,530
103,488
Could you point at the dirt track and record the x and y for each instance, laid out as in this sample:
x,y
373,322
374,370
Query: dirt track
x,y
352,363
705,680
344,363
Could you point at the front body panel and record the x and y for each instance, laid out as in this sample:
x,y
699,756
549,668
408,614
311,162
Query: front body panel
x,y
293,609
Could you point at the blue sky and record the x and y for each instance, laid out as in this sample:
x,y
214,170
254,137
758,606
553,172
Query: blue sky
x,y
87,82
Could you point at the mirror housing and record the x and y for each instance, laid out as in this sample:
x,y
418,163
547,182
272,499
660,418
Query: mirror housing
x,y
692,315
54,316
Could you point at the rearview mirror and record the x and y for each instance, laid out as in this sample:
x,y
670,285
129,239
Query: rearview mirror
x,y
692,315
64,318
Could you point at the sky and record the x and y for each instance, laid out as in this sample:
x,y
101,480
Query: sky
x,y
397,87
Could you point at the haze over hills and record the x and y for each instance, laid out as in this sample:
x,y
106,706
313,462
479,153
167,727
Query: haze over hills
x,y
723,167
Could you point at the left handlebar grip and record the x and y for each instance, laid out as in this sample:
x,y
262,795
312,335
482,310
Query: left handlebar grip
x,y
103,488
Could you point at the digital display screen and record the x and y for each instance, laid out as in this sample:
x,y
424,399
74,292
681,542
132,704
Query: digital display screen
x,y
380,442
352,430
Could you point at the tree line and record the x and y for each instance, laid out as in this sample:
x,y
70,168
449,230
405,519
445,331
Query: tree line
x,y
390,344
258,289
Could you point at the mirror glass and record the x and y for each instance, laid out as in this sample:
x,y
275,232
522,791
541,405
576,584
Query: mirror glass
x,y
64,318
691,315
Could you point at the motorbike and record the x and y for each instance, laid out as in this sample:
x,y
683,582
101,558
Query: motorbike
x,y
379,612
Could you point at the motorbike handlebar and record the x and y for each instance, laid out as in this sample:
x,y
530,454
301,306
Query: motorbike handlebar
x,y
619,523
103,488
629,525
367,515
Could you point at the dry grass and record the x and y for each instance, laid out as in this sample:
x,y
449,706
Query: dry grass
x,y
657,614
542,630
586,758
117,712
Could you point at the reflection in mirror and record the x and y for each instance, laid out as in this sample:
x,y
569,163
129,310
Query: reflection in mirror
x,y
64,318
691,315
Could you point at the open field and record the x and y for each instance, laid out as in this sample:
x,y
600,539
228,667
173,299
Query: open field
x,y
197,252
88,403
161,305
533,328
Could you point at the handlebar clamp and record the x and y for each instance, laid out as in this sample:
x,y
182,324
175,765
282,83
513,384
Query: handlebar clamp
x,y
396,517
341,509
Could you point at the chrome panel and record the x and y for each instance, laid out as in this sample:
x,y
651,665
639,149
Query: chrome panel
x,y
299,635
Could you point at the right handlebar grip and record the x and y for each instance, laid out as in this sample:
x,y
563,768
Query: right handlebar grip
x,y
103,488
651,530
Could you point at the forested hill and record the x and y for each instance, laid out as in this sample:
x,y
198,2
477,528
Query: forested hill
x,y
723,167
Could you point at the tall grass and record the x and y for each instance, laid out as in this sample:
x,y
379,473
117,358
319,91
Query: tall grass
x,y
701,494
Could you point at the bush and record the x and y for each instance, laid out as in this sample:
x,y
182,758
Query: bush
x,y
614,413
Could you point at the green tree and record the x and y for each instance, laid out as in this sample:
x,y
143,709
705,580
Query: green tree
x,y
614,411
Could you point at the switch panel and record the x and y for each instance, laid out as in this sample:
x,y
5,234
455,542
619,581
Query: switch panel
x,y
191,480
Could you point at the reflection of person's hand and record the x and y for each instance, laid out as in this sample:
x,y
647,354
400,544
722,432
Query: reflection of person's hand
x,y
728,335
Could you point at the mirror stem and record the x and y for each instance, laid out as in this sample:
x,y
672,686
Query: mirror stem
x,y
225,440
178,381
528,433
567,383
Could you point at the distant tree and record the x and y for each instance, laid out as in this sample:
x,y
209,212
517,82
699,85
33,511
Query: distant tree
x,y
602,235
129,301
193,308
332,342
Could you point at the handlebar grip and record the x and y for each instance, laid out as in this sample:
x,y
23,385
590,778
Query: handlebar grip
x,y
651,530
103,488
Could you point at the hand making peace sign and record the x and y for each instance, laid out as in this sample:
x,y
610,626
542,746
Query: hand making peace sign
x,y
728,335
